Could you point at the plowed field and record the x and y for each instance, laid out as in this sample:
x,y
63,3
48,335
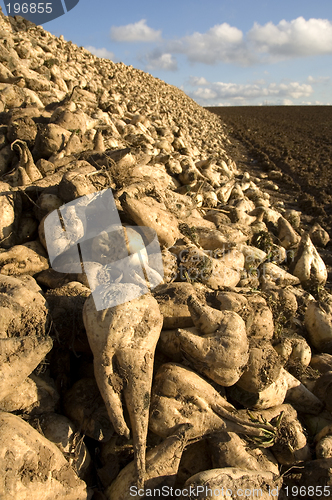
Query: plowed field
x,y
294,139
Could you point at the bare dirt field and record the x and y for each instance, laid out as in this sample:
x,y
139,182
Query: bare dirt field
x,y
296,140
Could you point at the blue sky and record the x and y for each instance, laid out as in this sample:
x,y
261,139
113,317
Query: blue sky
x,y
234,52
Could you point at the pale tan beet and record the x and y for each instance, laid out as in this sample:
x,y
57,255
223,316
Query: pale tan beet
x,y
235,482
181,396
172,299
286,234
291,445
285,388
196,219
253,256
221,352
156,172
318,321
162,463
319,236
271,274
263,367
253,309
28,258
323,442
71,120
26,171
149,212
23,331
33,467
259,321
300,397
241,217
62,432
24,310
76,182
300,353
324,447
211,239
9,211
217,270
282,302
233,301
18,358
308,265
50,139
225,191
272,395
123,341
169,343
230,450
34,396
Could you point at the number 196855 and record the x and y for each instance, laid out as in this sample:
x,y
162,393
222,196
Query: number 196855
x,y
304,491
33,8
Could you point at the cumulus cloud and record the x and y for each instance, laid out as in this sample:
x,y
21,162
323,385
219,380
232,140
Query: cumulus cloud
x,y
195,80
268,43
205,93
158,60
292,89
214,92
106,54
221,43
318,79
296,38
135,32
224,43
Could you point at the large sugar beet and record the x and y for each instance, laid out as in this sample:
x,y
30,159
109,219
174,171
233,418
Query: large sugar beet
x,y
233,482
33,467
123,339
23,328
10,208
23,308
220,349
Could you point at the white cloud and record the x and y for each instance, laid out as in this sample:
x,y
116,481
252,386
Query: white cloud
x,y
289,39
280,93
106,54
224,43
221,43
159,60
318,79
287,102
206,94
195,81
135,32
